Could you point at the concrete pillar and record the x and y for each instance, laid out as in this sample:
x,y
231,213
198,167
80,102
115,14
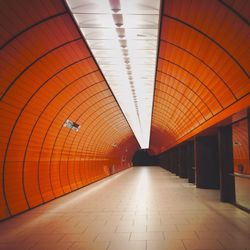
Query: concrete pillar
x,y
227,186
182,160
206,162
190,162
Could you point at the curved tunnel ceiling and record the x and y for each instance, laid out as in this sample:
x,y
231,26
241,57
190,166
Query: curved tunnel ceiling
x,y
202,69
48,76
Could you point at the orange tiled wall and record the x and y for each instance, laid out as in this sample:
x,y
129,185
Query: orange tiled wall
x,y
241,147
203,68
47,75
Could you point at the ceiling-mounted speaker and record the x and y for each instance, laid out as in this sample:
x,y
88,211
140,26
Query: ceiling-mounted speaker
x,y
71,125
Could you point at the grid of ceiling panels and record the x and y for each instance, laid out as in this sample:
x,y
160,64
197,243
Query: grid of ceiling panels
x,y
203,67
123,36
47,77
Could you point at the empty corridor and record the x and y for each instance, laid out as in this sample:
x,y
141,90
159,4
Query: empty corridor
x,y
140,208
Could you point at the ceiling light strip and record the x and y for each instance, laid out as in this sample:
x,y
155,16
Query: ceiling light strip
x,y
123,37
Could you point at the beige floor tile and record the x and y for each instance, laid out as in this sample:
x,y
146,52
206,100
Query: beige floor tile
x,y
213,235
243,236
165,245
127,245
71,238
161,209
117,224
90,245
64,229
147,236
174,220
89,235
192,227
112,236
180,235
202,244
115,221
233,244
57,246
161,228
8,238
49,238
131,228
16,246
102,229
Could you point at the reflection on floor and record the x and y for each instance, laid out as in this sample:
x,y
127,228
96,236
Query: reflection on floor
x,y
140,208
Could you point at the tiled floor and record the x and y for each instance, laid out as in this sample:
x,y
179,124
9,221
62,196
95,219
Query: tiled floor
x,y
140,208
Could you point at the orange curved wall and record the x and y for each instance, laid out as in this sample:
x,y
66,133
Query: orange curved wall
x,y
203,68
47,75
241,146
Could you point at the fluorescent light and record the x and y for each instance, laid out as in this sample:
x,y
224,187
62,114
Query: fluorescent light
x,y
123,37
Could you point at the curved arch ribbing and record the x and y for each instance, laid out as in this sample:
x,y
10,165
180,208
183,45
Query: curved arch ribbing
x,y
62,81
197,58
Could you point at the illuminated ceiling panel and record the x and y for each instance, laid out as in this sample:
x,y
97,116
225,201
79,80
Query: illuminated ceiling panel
x,y
123,36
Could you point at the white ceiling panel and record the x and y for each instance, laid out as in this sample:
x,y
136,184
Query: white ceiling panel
x,y
123,37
